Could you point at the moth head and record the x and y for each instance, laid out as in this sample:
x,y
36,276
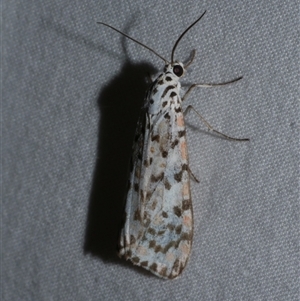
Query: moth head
x,y
177,68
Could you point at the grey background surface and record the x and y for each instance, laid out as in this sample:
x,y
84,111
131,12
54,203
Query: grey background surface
x,y
71,95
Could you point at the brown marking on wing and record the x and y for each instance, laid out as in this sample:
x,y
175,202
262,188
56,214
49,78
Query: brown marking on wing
x,y
158,249
174,143
154,178
163,272
170,227
167,184
177,211
148,195
144,263
168,246
178,229
173,94
178,176
155,138
176,264
186,236
181,133
128,254
152,244
164,214
167,116
164,154
167,89
177,110
186,204
153,267
151,231
135,260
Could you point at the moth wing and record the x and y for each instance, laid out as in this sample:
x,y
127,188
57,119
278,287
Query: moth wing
x,y
132,199
158,230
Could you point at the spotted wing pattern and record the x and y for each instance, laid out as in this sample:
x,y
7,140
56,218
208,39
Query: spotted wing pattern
x,y
158,226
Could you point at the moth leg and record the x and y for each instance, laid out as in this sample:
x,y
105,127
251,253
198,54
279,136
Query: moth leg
x,y
211,128
192,175
192,87
193,53
149,79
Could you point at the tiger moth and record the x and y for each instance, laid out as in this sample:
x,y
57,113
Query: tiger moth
x,y
158,225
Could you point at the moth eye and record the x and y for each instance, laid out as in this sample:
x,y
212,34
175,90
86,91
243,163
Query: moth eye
x,y
178,70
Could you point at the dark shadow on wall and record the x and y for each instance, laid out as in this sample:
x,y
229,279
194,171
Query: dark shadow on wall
x,y
119,105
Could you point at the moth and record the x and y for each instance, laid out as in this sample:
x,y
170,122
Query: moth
x,y
158,225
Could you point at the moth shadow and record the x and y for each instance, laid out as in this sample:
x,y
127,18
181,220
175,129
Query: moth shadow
x,y
119,104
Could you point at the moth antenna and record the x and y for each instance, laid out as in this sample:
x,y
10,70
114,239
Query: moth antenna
x,y
134,40
181,36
